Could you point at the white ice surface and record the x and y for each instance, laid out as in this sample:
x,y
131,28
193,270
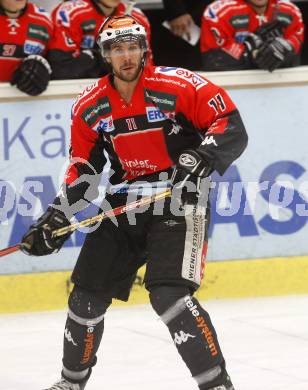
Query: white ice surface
x,y
264,340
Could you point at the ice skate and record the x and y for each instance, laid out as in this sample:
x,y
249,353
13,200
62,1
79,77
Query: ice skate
x,y
64,384
227,386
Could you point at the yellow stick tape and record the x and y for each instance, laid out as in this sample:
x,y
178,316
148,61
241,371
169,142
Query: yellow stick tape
x,y
228,279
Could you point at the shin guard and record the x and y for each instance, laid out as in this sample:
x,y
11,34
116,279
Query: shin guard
x,y
193,334
83,333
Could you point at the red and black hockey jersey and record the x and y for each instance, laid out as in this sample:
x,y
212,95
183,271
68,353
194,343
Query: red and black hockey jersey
x,y
226,24
77,23
172,109
29,34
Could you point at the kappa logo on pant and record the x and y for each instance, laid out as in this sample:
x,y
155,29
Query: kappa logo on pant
x,y
182,337
69,338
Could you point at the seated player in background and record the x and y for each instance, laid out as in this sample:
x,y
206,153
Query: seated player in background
x,y
182,13
249,34
25,32
74,52
180,48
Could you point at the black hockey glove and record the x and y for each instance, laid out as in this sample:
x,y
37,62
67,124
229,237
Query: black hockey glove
x,y
33,75
274,54
38,241
269,31
187,177
252,42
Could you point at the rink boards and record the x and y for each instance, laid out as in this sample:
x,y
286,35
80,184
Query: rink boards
x,y
228,279
258,237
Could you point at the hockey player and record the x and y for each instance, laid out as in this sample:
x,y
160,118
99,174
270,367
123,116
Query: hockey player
x,y
151,121
247,34
74,52
25,33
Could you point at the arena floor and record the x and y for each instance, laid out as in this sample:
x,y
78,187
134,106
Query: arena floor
x,y
265,342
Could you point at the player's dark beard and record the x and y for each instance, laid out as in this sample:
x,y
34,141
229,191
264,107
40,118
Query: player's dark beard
x,y
132,78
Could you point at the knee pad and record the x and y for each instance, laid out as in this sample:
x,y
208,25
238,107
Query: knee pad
x,y
163,298
88,304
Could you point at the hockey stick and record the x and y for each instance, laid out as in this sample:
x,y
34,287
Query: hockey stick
x,y
97,218
10,249
112,213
